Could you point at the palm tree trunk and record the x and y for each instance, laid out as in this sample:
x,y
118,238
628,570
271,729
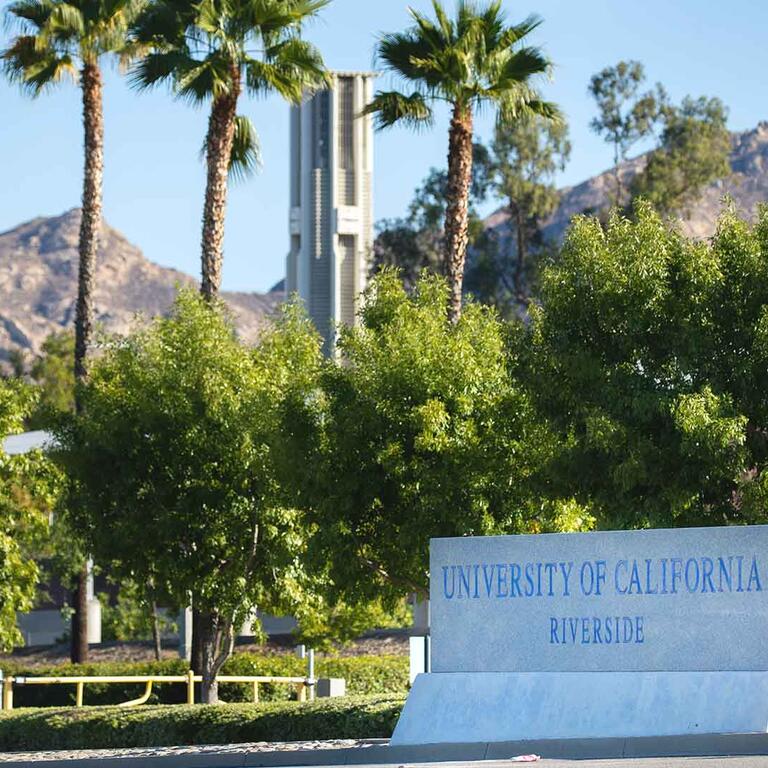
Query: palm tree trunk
x,y
218,151
90,227
457,209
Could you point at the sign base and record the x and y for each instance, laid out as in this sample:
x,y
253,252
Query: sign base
x,y
470,707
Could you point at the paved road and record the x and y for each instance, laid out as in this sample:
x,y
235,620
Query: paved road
x,y
648,762
192,758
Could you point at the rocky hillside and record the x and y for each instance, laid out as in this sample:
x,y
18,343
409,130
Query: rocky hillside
x,y
748,186
38,284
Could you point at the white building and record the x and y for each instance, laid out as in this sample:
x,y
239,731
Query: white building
x,y
331,213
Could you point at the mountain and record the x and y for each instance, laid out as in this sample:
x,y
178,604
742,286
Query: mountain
x,y
38,284
38,260
748,186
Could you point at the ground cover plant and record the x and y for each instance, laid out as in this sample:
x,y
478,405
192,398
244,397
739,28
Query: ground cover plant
x,y
104,727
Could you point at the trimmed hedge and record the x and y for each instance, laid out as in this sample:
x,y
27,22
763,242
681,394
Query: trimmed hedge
x,y
105,727
365,676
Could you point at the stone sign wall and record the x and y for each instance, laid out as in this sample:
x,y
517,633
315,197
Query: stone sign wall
x,y
659,600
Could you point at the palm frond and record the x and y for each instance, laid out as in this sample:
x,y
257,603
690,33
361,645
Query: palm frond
x,y
112,32
68,32
157,67
390,107
29,12
526,105
65,21
446,25
472,23
516,32
35,69
208,17
430,33
163,24
49,72
205,46
292,67
245,159
546,109
405,54
209,78
524,64
274,18
476,57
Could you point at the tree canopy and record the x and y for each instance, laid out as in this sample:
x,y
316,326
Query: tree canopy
x,y
648,357
61,36
420,431
415,242
171,459
625,116
211,52
526,155
28,487
693,152
473,60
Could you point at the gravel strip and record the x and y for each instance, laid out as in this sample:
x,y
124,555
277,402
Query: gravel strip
x,y
201,749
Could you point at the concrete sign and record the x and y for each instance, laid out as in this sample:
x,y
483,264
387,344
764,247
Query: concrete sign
x,y
589,635
659,600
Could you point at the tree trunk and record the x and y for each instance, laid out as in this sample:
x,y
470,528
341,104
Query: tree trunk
x,y
90,226
79,625
457,209
218,151
156,633
521,250
218,640
617,175
196,656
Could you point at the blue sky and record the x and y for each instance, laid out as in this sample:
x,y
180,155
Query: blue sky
x,y
153,186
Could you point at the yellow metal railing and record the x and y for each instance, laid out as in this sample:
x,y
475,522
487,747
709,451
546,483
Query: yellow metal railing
x,y
303,685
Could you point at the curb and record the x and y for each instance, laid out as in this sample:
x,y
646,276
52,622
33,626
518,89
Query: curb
x,y
696,745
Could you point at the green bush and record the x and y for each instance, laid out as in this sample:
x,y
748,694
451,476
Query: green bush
x,y
365,675
105,727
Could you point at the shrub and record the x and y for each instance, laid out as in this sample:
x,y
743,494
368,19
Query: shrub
x,y
105,727
365,675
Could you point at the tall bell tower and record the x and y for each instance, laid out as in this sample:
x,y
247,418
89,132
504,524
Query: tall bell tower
x,y
331,213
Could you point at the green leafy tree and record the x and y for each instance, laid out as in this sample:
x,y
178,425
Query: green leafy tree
x,y
624,115
526,156
694,151
60,39
172,464
52,372
214,51
415,242
400,245
419,431
134,615
17,362
468,62
28,487
648,357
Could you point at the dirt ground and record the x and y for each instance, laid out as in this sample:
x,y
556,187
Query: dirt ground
x,y
375,645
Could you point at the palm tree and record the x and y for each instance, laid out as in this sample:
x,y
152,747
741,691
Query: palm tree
x,y
60,39
214,50
466,62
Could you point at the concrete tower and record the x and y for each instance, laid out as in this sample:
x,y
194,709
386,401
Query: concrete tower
x,y
331,215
